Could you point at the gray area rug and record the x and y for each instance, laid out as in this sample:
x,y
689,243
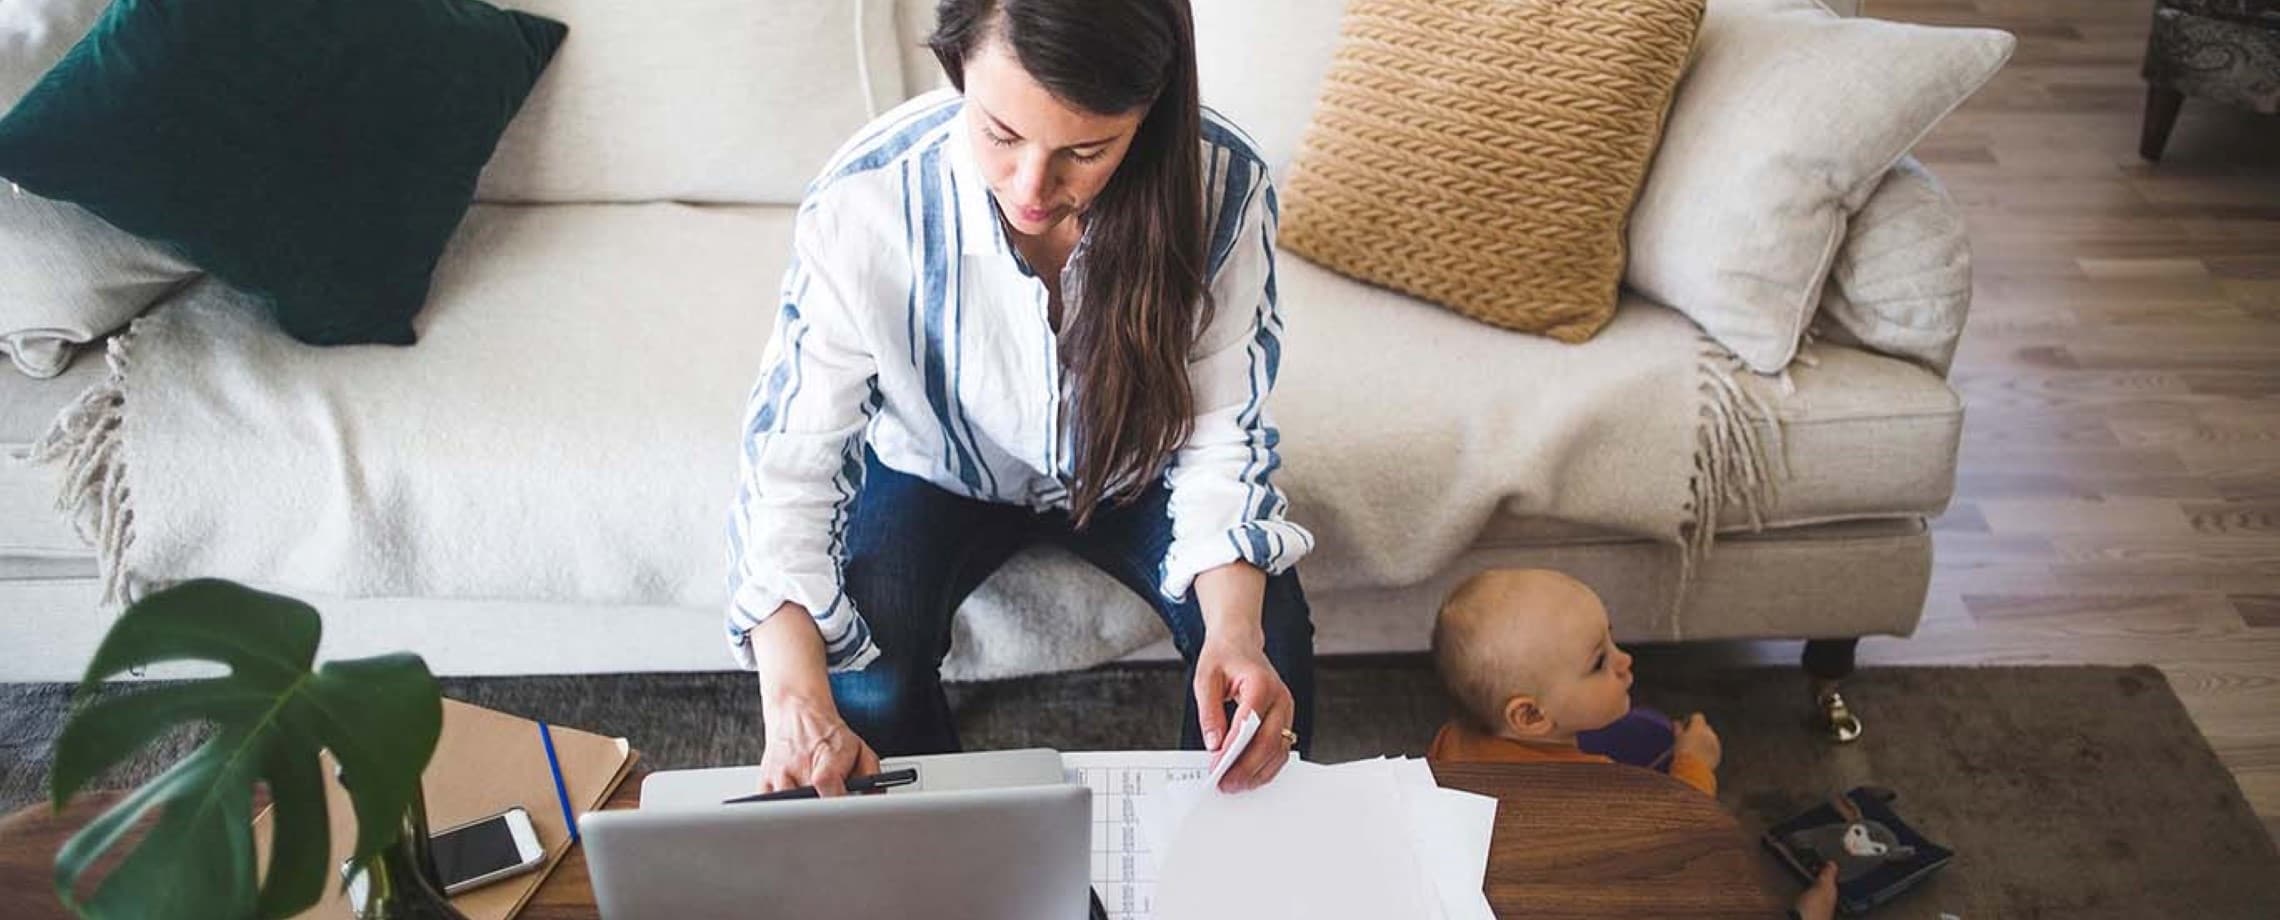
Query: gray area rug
x,y
2067,791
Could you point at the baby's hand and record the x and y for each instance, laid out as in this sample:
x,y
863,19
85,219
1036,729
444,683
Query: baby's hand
x,y
1697,740
1820,901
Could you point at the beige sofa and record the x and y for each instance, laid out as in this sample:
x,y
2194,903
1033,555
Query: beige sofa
x,y
1869,441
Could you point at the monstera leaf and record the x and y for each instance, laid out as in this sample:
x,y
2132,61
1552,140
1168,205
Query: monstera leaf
x,y
271,714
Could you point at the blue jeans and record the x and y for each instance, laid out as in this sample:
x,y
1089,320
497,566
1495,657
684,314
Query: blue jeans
x,y
915,551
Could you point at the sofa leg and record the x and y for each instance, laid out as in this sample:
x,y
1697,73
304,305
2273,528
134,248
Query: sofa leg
x,y
2161,105
1828,662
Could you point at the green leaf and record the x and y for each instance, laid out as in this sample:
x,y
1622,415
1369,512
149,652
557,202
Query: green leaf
x,y
379,717
152,873
300,840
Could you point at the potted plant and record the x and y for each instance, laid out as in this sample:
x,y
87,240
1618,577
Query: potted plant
x,y
270,716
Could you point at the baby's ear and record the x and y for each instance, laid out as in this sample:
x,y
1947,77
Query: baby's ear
x,y
1524,719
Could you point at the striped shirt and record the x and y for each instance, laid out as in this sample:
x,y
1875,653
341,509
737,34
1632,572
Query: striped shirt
x,y
909,323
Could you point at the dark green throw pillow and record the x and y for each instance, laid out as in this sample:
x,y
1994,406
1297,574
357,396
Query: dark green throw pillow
x,y
316,154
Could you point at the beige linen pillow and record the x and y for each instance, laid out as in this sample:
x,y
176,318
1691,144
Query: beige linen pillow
x,y
66,277
1481,154
1902,280
1786,121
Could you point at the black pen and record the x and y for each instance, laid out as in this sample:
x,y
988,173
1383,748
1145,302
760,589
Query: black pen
x,y
875,781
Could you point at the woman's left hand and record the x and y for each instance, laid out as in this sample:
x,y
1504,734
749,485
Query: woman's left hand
x,y
1235,667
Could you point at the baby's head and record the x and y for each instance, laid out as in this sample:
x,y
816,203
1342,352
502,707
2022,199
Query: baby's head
x,y
1526,654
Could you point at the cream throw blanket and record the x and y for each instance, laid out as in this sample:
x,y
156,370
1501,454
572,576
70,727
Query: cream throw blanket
x,y
565,431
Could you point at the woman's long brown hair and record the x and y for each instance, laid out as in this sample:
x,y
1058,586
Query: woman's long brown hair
x,y
1141,298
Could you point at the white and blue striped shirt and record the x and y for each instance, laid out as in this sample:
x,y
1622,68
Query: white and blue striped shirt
x,y
908,323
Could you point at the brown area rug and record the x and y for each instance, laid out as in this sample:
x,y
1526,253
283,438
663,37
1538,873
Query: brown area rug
x,y
2066,791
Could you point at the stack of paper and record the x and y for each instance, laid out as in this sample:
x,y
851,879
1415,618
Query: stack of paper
x,y
1371,838
1368,839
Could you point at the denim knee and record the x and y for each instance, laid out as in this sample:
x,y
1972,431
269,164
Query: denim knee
x,y
897,705
877,693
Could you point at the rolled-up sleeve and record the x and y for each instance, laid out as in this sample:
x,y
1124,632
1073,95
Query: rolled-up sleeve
x,y
1224,503
800,463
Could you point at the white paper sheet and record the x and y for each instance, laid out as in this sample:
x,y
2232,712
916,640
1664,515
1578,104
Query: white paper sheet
x,y
1447,831
1422,851
1450,830
1244,732
1317,843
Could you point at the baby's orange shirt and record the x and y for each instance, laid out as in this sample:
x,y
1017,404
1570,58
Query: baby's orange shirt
x,y
1456,743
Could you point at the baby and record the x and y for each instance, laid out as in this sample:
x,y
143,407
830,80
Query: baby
x,y
1528,658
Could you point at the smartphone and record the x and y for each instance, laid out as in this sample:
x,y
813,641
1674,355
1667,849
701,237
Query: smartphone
x,y
486,850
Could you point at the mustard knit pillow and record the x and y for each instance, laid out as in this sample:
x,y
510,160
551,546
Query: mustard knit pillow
x,y
1482,154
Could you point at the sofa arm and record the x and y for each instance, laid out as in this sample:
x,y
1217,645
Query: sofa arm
x,y
1901,281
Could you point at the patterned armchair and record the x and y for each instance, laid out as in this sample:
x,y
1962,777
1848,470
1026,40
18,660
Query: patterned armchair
x,y
2219,50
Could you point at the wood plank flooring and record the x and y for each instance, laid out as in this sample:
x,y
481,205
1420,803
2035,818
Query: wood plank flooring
x,y
2119,491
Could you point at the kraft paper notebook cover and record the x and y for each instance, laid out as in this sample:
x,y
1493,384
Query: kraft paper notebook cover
x,y
486,762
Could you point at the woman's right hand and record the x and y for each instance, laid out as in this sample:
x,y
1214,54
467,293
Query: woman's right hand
x,y
807,743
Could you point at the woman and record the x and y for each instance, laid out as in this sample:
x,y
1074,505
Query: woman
x,y
1039,307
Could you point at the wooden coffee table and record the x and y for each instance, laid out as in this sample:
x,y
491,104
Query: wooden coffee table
x,y
1572,840
1580,840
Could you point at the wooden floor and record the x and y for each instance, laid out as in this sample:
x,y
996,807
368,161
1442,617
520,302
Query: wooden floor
x,y
2119,489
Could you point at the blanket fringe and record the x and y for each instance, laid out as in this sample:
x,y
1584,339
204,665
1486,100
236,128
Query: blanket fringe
x,y
1739,459
84,440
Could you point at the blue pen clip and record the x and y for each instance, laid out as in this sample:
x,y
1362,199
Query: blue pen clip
x,y
561,790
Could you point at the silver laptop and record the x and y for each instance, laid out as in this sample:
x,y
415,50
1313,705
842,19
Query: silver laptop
x,y
993,836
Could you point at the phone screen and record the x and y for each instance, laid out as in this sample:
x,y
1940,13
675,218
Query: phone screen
x,y
475,850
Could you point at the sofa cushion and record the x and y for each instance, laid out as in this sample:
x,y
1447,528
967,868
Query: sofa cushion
x,y
1482,154
1771,587
1788,118
33,35
566,428
314,153
590,457
730,101
1864,436
1272,96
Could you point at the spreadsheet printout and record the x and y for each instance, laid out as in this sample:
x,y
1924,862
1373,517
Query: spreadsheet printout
x,y
1123,871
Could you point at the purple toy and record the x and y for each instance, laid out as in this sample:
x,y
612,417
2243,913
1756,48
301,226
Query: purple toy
x,y
1641,738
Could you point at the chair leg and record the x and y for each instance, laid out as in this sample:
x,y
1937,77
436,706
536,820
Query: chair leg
x,y
2161,105
1828,662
